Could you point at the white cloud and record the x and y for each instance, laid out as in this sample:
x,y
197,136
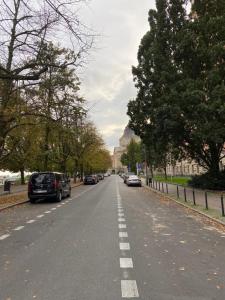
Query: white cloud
x,y
107,80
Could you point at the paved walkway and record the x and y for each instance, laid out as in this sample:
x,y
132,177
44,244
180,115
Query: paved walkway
x,y
14,189
197,196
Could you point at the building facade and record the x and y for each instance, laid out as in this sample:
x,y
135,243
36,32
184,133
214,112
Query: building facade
x,y
124,141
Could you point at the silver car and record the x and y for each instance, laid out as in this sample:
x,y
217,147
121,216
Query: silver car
x,y
133,180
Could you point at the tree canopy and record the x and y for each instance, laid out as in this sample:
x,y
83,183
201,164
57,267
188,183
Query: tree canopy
x,y
180,82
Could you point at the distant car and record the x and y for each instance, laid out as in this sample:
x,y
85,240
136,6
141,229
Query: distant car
x,y
48,185
133,180
100,176
90,179
106,174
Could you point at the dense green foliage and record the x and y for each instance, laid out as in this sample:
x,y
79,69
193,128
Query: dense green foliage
x,y
179,107
132,156
208,181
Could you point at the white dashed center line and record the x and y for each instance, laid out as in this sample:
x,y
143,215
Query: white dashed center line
x,y
123,234
126,262
53,208
124,246
122,226
18,228
47,212
120,214
40,216
129,289
4,236
121,220
30,221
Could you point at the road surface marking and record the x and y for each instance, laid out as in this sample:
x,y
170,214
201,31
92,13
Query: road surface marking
x,y
120,209
53,208
59,205
124,246
121,220
126,262
120,215
47,212
30,221
123,234
4,236
129,289
40,216
122,226
18,228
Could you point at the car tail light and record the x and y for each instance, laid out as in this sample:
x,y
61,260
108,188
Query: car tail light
x,y
29,187
55,184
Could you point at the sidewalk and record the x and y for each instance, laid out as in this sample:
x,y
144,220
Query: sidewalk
x,y
14,189
19,196
206,201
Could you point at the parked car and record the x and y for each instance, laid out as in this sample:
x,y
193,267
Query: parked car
x,y
48,185
100,176
133,180
126,175
90,179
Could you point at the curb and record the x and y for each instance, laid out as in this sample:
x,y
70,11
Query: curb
x,y
186,206
14,204
26,201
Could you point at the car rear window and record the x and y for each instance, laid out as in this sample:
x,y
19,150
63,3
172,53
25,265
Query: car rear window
x,y
42,178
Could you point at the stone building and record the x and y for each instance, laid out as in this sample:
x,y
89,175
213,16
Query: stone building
x,y
124,141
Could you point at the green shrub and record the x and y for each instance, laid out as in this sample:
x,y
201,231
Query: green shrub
x,y
209,181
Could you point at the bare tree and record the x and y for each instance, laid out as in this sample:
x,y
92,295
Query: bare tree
x,y
26,29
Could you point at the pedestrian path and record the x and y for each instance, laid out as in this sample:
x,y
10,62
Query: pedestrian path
x,y
203,199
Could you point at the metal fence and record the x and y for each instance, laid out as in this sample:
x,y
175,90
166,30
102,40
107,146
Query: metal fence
x,y
207,199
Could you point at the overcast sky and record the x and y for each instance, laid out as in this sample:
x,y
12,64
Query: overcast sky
x,y
107,81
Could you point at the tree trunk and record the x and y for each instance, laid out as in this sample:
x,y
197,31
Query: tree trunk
x,y
165,173
22,176
46,147
81,172
75,170
151,170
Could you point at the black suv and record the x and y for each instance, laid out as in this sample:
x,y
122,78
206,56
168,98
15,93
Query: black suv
x,y
46,185
90,179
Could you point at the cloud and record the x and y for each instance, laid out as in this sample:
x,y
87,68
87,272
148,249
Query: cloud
x,y
107,80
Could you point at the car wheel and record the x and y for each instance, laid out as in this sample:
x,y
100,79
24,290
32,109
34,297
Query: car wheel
x,y
59,197
32,201
69,195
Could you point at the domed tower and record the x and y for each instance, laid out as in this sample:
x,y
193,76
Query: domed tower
x,y
127,136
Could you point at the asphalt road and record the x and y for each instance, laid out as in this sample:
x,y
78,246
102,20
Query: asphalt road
x,y
109,242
